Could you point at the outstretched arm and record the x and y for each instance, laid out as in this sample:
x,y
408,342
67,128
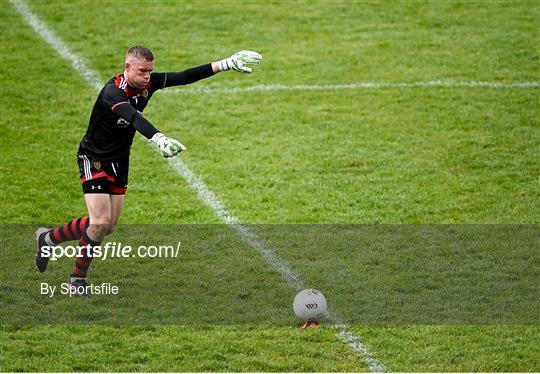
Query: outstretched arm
x,y
188,76
237,62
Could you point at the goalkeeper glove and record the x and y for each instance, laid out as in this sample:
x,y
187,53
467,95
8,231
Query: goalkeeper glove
x,y
239,60
169,147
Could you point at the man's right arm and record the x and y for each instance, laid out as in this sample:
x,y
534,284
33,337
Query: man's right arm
x,y
117,101
237,62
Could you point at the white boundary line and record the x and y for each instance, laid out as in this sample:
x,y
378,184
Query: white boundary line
x,y
350,86
197,184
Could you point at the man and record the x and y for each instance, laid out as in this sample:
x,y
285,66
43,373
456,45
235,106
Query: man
x,y
103,154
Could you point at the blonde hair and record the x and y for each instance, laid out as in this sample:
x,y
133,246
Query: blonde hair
x,y
139,52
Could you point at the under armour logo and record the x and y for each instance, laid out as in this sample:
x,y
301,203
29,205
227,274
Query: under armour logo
x,y
98,187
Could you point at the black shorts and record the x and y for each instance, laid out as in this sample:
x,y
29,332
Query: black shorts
x,y
110,177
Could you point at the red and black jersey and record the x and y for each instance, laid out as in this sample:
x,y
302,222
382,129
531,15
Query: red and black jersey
x,y
116,115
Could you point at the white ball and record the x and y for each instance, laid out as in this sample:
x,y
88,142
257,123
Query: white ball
x,y
309,304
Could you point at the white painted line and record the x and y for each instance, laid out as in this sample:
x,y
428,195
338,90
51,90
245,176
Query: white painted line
x,y
43,30
360,349
350,86
206,195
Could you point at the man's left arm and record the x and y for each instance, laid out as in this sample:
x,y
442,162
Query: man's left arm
x,y
238,62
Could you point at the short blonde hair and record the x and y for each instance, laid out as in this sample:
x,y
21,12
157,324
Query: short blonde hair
x,y
139,52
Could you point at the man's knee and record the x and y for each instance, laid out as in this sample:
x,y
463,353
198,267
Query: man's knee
x,y
106,225
99,227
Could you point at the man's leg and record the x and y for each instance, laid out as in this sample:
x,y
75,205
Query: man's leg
x,y
104,211
117,204
99,210
103,208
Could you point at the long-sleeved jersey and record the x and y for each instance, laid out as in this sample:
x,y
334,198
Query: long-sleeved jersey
x,y
116,115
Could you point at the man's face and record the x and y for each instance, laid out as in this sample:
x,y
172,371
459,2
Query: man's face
x,y
138,72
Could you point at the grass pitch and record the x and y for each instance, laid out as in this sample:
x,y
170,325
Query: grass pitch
x,y
366,156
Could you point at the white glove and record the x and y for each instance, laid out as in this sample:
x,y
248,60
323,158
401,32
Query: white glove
x,y
239,60
169,147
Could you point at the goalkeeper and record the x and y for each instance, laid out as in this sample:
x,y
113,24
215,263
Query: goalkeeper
x,y
103,154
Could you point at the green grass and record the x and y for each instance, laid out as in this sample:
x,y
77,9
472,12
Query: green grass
x,y
443,348
174,348
393,155
249,348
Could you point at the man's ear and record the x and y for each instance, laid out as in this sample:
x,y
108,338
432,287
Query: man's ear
x,y
127,65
